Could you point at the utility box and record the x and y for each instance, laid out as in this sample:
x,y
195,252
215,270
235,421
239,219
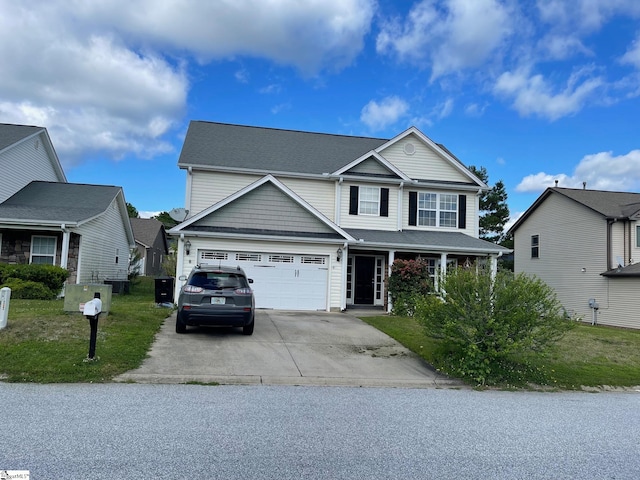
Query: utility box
x,y
5,296
75,296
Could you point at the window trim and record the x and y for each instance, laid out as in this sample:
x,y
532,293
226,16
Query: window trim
x,y
438,210
535,246
637,236
361,201
55,249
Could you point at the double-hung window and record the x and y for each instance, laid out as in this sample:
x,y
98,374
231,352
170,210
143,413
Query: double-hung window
x,y
43,250
369,201
535,246
437,210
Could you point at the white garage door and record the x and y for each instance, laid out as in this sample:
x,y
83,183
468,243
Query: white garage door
x,y
280,280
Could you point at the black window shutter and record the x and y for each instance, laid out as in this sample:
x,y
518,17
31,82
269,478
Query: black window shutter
x,y
384,202
462,211
353,200
413,208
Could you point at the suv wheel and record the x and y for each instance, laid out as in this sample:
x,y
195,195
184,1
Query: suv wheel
x,y
248,330
180,327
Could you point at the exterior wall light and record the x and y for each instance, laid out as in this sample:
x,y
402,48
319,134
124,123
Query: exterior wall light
x,y
187,247
339,254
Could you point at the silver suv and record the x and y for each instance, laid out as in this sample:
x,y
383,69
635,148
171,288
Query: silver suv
x,y
216,296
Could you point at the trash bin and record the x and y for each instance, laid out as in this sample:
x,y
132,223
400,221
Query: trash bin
x,y
164,290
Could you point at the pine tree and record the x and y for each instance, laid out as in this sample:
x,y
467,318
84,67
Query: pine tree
x,y
494,212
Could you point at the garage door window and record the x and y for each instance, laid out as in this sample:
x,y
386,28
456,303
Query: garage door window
x,y
248,257
281,258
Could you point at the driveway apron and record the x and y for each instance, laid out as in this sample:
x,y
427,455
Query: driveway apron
x,y
287,348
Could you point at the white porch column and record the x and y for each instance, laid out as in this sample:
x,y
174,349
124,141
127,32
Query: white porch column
x,y
179,267
493,261
392,257
64,255
343,277
442,272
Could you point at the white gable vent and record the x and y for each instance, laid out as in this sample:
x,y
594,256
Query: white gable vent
x,y
409,148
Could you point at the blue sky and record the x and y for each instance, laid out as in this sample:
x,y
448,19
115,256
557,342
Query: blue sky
x,y
534,91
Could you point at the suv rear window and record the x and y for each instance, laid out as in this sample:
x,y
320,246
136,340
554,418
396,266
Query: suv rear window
x,y
218,280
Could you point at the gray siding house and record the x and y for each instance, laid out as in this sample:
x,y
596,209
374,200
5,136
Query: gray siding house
x,y
318,219
151,244
44,219
585,244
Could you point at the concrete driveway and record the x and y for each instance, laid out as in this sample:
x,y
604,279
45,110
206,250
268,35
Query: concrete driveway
x,y
287,348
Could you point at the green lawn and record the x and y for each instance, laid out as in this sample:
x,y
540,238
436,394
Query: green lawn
x,y
587,356
42,343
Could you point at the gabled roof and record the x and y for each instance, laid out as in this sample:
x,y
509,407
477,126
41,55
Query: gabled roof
x,y
270,150
54,203
146,231
190,225
613,205
375,156
11,135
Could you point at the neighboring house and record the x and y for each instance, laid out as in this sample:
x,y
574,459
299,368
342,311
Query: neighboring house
x,y
26,154
316,219
585,244
151,244
44,219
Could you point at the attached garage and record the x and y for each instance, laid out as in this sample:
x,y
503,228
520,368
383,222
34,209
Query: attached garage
x,y
282,281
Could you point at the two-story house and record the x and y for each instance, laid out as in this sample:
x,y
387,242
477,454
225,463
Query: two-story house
x,y
585,244
45,219
317,219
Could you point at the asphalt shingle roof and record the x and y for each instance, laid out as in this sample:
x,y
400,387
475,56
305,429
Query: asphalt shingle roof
x,y
425,240
210,144
145,230
10,134
609,204
58,202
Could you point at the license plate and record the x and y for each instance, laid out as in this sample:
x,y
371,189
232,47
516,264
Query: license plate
x,y
217,300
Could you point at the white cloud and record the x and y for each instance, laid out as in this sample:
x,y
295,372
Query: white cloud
x,y
584,15
445,108
601,171
461,35
388,111
112,75
632,55
309,35
513,218
533,95
561,47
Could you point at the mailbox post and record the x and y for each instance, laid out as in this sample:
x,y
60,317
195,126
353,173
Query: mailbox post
x,y
92,311
5,296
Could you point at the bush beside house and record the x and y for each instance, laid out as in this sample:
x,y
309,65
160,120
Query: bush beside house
x,y
41,282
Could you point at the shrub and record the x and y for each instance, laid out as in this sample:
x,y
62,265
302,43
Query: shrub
x,y
408,279
52,277
26,289
487,324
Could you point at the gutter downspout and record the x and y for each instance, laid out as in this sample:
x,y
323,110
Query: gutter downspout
x,y
64,255
610,223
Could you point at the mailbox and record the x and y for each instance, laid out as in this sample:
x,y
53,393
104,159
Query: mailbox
x,y
5,296
92,308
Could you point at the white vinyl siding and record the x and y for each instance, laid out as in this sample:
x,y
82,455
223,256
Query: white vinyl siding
x,y
424,163
23,163
103,239
374,222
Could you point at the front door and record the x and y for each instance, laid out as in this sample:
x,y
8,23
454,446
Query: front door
x,y
364,280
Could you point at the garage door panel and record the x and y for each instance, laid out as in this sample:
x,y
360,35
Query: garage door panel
x,y
280,280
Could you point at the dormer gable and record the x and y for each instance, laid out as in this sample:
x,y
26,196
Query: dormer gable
x,y
421,159
372,164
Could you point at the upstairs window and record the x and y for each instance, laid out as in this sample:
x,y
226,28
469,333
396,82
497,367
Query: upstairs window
x,y
372,201
43,250
436,210
369,201
638,236
535,246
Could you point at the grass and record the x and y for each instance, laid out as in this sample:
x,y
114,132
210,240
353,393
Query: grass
x,y
44,344
587,356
